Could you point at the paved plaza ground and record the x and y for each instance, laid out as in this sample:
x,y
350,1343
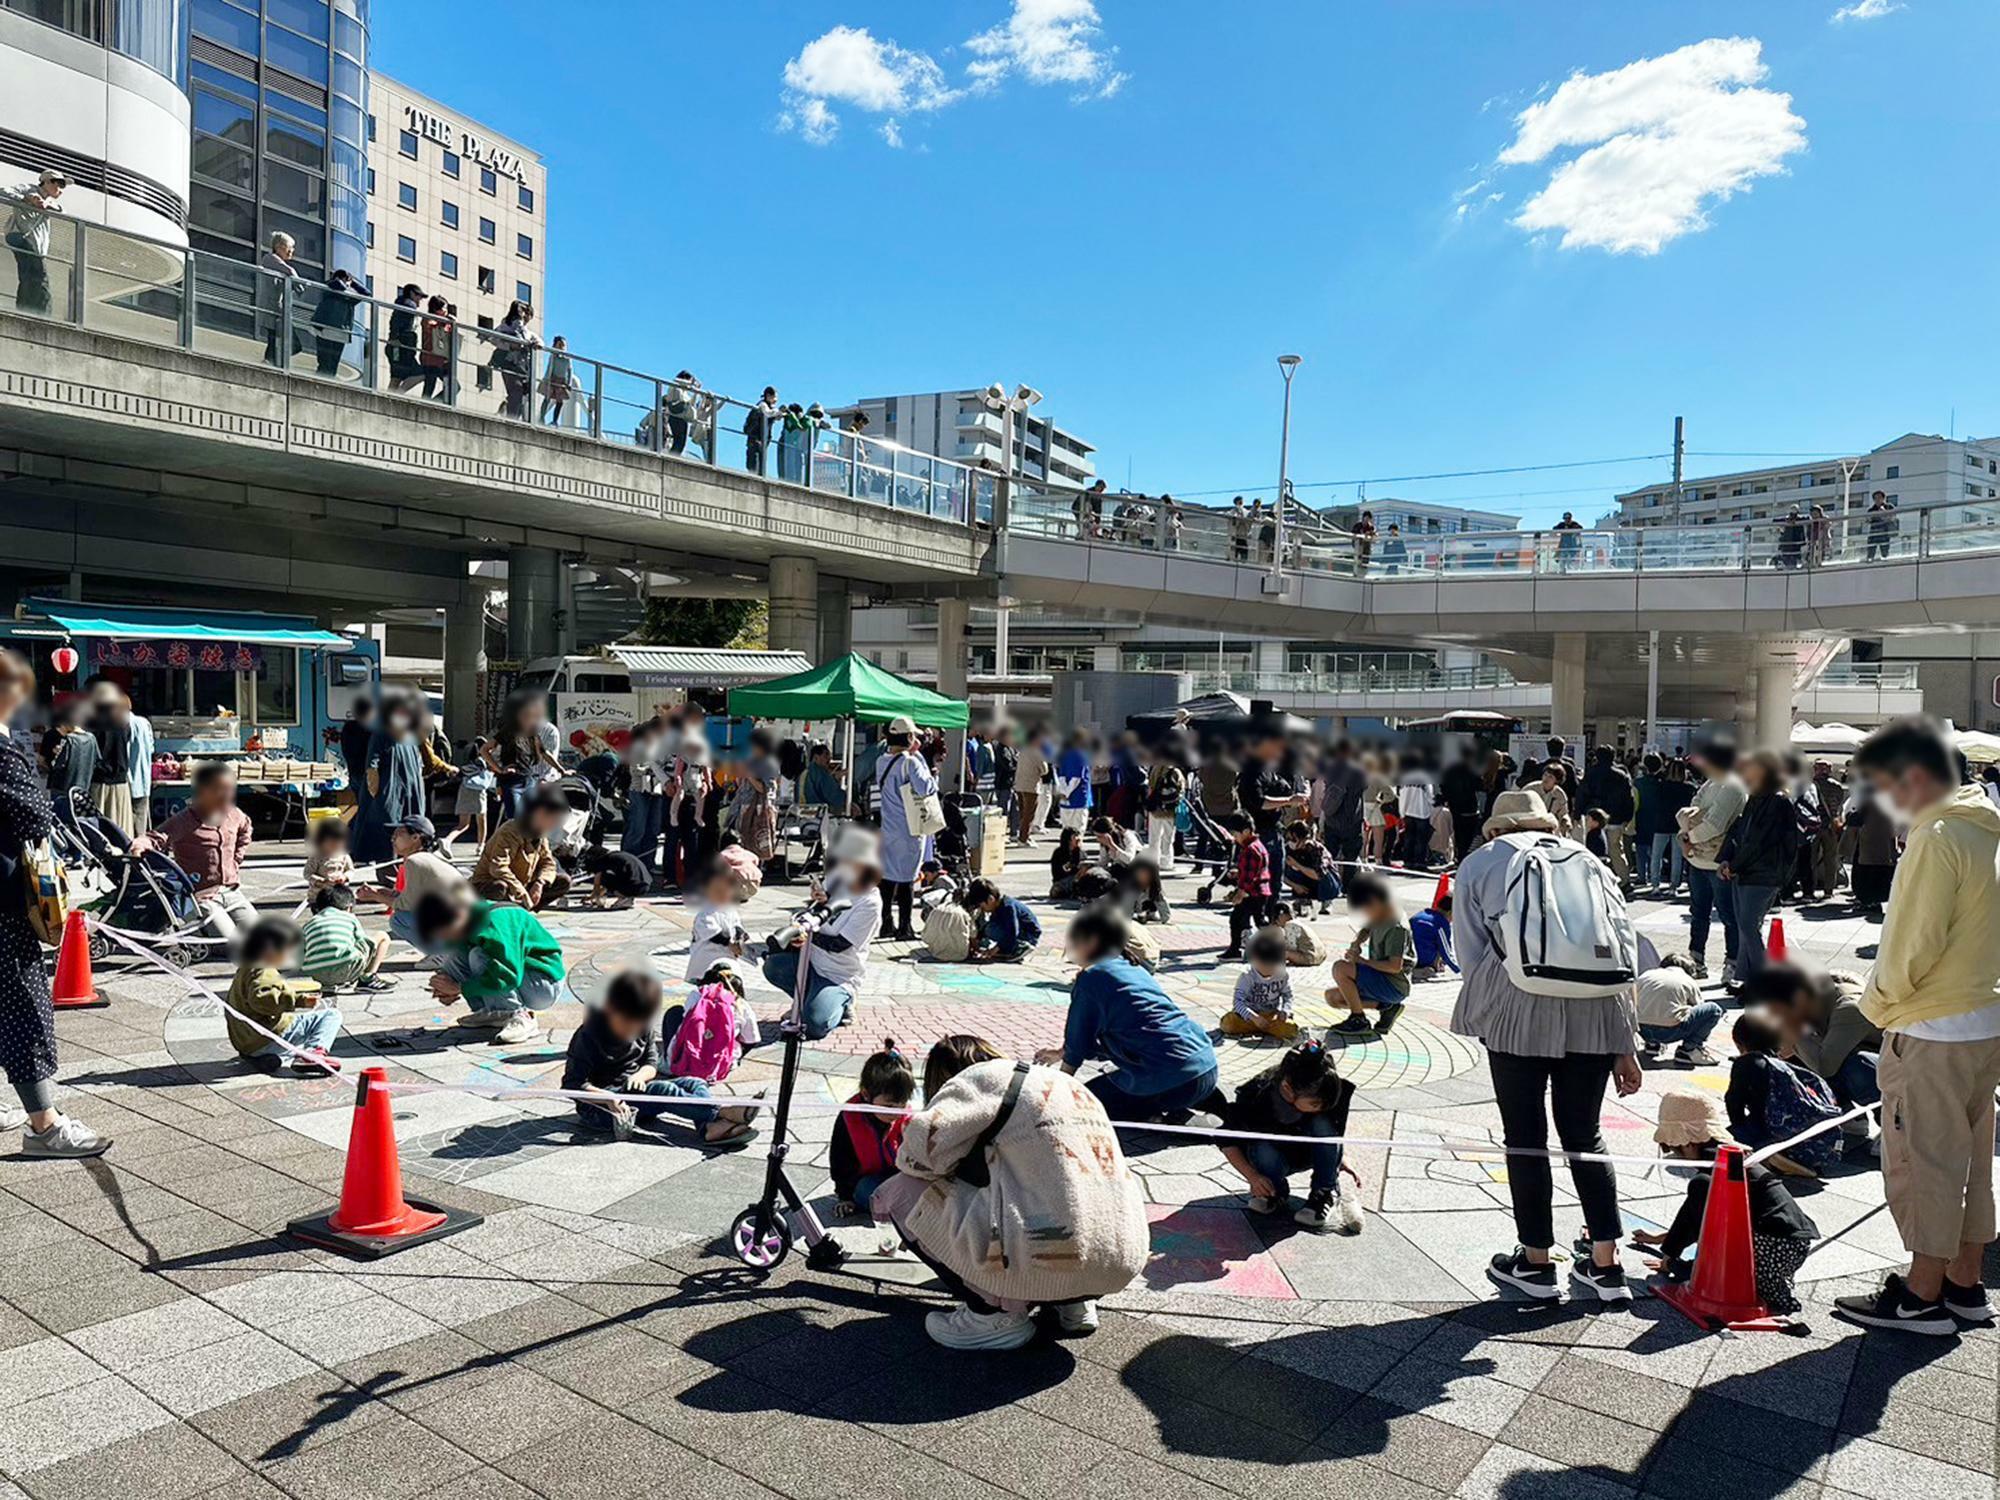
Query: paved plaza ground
x,y
159,1336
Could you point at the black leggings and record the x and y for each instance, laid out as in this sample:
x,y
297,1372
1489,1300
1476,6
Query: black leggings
x,y
1575,1084
896,898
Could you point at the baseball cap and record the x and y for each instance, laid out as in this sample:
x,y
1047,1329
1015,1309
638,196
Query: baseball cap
x,y
418,824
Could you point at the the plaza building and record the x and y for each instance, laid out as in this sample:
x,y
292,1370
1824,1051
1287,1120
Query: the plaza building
x,y
958,425
453,206
1914,470
96,91
279,93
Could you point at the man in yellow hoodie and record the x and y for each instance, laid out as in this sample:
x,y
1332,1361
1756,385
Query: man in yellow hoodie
x,y
1935,993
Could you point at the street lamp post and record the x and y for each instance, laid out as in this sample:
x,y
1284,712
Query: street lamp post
x,y
996,399
1288,366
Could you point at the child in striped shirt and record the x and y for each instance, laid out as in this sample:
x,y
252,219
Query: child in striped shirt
x,y
334,948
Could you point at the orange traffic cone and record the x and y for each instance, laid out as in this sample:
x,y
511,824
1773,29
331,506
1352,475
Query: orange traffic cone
x,y
1774,947
373,1218
1723,1292
1443,890
75,988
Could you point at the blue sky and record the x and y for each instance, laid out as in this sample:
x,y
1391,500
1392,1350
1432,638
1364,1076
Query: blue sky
x,y
1137,205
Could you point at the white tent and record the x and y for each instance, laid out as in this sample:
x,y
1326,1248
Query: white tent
x,y
1977,745
1826,739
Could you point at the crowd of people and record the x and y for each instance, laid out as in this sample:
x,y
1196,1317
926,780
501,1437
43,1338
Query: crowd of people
x,y
1283,826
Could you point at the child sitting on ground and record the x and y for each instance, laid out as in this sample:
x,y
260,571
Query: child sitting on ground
x,y
1309,873
1263,1005
1301,1096
617,1051
500,960
1008,929
327,860
1431,931
1770,1099
1253,896
864,1146
1594,839
617,878
1065,864
1444,836
1304,948
1145,894
287,1008
707,1037
334,949
1375,969
719,935
935,885
1781,1232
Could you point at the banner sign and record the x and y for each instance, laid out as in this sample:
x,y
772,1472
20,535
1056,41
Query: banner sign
x,y
199,656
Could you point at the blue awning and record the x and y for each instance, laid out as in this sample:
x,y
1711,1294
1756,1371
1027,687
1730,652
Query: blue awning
x,y
135,622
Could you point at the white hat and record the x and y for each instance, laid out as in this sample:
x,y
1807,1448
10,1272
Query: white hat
x,y
902,724
1688,1118
856,845
1519,811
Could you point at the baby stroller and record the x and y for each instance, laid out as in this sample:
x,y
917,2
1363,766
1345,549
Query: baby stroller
x,y
1208,847
146,893
952,847
805,833
586,790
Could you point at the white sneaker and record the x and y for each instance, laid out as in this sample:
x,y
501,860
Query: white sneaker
x,y
1699,1057
962,1328
485,1020
12,1118
1077,1317
1258,1205
66,1138
519,1027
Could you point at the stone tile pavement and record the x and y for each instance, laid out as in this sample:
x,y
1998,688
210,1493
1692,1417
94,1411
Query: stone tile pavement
x,y
159,1337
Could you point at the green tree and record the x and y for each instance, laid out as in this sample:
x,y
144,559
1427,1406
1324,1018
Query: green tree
x,y
705,622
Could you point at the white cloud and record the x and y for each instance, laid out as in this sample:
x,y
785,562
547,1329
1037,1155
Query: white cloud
x,y
1865,10
850,65
1665,137
1041,41
1047,41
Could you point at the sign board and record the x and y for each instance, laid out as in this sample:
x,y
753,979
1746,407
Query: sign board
x,y
591,723
463,142
1996,692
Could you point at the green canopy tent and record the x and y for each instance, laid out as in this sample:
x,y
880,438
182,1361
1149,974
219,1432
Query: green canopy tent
x,y
851,688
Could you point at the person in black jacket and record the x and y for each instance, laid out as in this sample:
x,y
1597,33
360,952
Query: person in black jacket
x,y
333,320
1341,785
1607,785
758,423
1459,790
1758,854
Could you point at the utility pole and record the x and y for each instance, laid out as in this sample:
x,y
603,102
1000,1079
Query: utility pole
x,y
1680,458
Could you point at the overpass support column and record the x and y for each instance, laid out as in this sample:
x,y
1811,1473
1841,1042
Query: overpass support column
x,y
534,590
953,617
795,606
464,660
1566,686
836,621
1773,729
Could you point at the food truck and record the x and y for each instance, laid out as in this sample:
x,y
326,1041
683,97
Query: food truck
x,y
266,690
594,700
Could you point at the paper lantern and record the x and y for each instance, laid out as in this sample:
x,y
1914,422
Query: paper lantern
x,y
65,659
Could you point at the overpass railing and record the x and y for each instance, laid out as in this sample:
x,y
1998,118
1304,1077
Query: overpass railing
x,y
1413,680
1856,539
116,282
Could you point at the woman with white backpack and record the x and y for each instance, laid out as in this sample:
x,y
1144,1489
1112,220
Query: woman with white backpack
x,y
1549,958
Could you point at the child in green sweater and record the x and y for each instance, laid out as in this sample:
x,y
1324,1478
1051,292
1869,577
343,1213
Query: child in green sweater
x,y
500,960
261,996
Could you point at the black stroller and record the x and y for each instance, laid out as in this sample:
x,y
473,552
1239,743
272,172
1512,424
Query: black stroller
x,y
1208,847
140,892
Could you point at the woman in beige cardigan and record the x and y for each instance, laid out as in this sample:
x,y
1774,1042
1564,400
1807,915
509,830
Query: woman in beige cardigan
x,y
1011,1186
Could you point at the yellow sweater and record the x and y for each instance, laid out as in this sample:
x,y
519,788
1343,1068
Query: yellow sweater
x,y
1940,951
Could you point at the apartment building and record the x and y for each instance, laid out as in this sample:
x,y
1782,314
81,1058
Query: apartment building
x,y
957,425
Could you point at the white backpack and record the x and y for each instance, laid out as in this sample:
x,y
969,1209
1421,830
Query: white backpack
x,y
1564,930
948,933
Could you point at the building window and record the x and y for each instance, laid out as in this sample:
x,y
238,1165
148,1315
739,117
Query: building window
x,y
524,247
371,127
448,213
406,194
527,198
451,164
448,265
487,232
1894,471
489,183
406,249
371,234
406,143
524,293
486,281
371,182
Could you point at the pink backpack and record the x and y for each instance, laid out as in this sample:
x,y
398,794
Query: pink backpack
x,y
705,1046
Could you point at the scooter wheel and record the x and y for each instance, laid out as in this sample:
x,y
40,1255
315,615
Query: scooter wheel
x,y
763,1251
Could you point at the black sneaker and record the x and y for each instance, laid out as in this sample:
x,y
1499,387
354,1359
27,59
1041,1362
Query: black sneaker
x,y
1967,1305
1895,1306
1587,1279
1317,1214
1358,1026
1513,1272
1387,1019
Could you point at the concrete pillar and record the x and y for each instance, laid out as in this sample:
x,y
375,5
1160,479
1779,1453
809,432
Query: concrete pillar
x,y
1269,658
795,605
464,660
1572,654
534,598
836,621
1104,659
953,617
1773,728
